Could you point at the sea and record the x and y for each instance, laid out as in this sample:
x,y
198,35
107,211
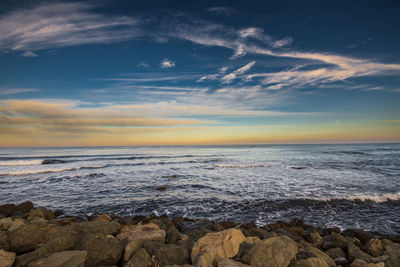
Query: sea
x,y
340,185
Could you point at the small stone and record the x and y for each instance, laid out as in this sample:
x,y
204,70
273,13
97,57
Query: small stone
x,y
160,188
315,238
375,247
341,261
6,258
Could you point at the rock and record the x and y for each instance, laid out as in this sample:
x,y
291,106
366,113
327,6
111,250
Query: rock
x,y
4,241
184,265
220,245
319,254
5,223
204,260
134,236
66,220
311,262
72,258
105,228
392,249
6,258
18,223
363,263
103,218
392,262
286,232
338,241
243,249
167,254
197,234
41,212
272,252
59,240
186,227
341,261
374,247
140,259
315,238
177,220
260,233
231,263
102,249
7,209
27,237
173,235
354,253
24,207
227,224
252,240
335,253
160,188
359,234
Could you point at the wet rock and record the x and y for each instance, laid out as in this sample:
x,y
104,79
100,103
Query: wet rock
x,y
252,240
102,249
218,246
319,254
7,209
231,263
374,247
392,249
311,262
286,232
355,252
392,262
315,238
66,220
24,207
217,227
132,237
140,259
227,224
59,240
160,188
243,249
363,263
5,223
335,253
341,261
167,254
42,213
364,237
272,252
177,220
103,218
73,258
339,241
197,234
27,237
18,223
173,235
6,258
260,233
105,228
186,227
4,241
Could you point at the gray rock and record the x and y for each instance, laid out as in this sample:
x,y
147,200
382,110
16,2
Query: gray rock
x,y
341,261
272,252
102,249
73,258
186,227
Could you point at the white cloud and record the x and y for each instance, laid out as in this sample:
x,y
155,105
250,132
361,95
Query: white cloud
x,y
142,64
12,91
166,63
233,75
28,54
52,25
221,10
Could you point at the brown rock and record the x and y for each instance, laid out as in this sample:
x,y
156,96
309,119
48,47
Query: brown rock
x,y
354,253
272,252
220,245
18,223
102,249
24,207
103,218
231,263
335,253
72,258
140,259
27,237
6,258
315,238
311,262
4,241
42,213
167,254
105,228
5,223
375,247
7,209
319,254
363,263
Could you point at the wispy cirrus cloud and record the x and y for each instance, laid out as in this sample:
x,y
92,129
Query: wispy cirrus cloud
x,y
233,75
221,10
61,24
29,54
13,91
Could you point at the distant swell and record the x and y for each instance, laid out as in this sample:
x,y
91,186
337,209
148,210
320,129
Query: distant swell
x,y
238,165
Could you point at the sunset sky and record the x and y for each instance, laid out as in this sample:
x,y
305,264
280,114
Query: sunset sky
x,y
83,73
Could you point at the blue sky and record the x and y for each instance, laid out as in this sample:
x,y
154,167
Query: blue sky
x,y
185,72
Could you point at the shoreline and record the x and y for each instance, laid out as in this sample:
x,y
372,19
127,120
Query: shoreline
x,y
35,236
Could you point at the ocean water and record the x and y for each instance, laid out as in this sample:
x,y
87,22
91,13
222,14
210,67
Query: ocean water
x,y
349,186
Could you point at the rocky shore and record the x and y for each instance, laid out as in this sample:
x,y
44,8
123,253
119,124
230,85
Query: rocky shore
x,y
38,237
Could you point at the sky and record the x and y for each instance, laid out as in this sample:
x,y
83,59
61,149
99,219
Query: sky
x,y
103,73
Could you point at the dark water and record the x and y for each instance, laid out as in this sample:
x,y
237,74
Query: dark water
x,y
332,185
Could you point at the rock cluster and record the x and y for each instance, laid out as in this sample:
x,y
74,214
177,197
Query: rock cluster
x,y
36,237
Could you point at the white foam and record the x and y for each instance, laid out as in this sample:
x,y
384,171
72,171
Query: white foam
x,y
376,198
20,162
26,172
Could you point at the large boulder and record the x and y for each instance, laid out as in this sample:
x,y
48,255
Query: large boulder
x,y
186,226
375,247
132,237
364,237
392,249
335,253
140,259
218,246
73,258
315,238
27,237
41,213
355,252
231,263
17,223
24,207
311,262
102,249
7,209
272,252
167,254
59,240
6,258
319,254
4,241
6,223
105,228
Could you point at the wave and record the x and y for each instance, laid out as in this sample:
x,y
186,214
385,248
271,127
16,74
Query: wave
x,y
238,165
375,198
21,162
